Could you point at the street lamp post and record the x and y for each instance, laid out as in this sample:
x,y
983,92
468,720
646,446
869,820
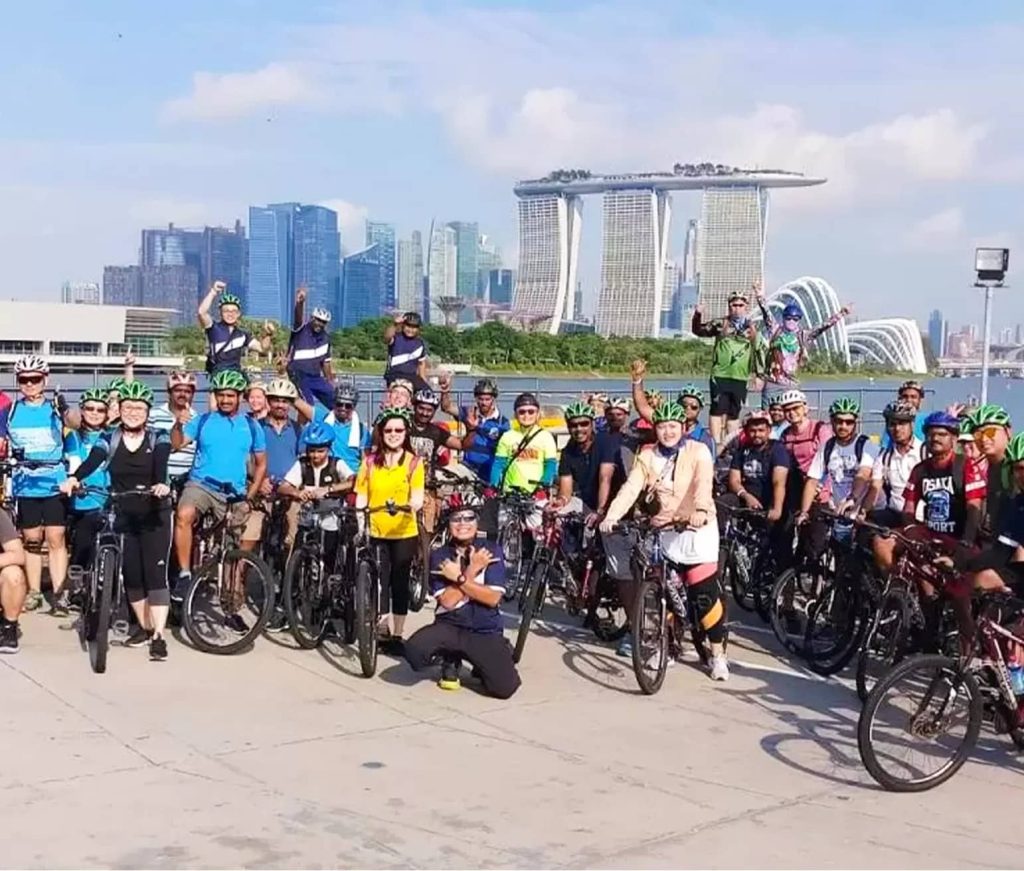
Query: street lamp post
x,y
990,265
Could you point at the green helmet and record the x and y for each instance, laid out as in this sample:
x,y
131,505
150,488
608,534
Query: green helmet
x,y
579,409
94,394
230,299
390,412
844,405
228,379
1015,449
669,411
116,385
691,391
985,415
138,391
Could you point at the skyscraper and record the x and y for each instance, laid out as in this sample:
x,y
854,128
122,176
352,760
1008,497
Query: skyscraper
x,y
635,237
501,282
172,287
317,259
467,240
122,285
441,265
488,258
671,309
410,273
730,244
362,287
173,246
271,261
81,293
383,236
935,333
224,258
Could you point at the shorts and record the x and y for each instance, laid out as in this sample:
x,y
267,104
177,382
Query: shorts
x,y
44,511
728,396
214,504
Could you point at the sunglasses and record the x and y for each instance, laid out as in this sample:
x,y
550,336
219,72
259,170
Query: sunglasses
x,y
844,421
579,424
463,517
95,409
737,305
527,410
394,430
31,379
344,405
987,432
691,406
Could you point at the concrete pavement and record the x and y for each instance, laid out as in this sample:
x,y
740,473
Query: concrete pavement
x,y
288,758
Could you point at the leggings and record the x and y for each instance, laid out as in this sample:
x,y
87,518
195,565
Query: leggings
x,y
704,593
398,554
84,527
147,543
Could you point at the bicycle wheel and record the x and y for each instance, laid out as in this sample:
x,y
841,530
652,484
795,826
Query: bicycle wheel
x,y
650,638
228,604
789,605
737,569
366,618
919,724
98,631
306,598
417,584
605,614
886,641
510,539
534,591
836,623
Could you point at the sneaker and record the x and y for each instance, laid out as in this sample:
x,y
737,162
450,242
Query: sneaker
x,y
625,647
236,623
8,637
139,637
449,676
180,586
278,621
61,605
719,667
157,648
33,601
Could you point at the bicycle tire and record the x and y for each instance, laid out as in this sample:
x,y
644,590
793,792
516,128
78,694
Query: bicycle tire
x,y
834,659
366,618
649,592
778,612
106,575
510,540
606,629
417,584
191,624
294,588
888,636
873,760
739,584
532,602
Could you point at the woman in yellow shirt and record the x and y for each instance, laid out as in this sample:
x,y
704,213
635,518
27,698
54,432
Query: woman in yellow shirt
x,y
392,473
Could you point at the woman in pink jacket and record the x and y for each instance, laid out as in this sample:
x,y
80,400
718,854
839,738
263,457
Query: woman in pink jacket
x,y
675,475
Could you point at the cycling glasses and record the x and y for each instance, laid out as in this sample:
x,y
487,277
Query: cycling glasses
x,y
463,517
987,432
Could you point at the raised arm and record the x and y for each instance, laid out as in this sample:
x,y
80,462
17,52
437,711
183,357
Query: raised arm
x,y
643,407
444,384
699,327
203,312
831,322
392,328
299,314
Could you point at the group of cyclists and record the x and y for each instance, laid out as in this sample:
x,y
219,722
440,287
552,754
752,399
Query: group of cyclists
x,y
952,475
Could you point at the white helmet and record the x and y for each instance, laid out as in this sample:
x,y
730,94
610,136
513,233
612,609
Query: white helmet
x,y
322,314
619,402
791,397
181,378
31,363
282,387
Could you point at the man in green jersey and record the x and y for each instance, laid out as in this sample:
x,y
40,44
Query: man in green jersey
x,y
731,362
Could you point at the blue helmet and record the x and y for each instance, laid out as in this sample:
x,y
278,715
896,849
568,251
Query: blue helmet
x,y
942,420
318,435
793,311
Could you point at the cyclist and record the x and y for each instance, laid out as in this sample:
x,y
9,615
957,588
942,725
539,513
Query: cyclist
x,y
407,352
181,390
113,391
616,414
525,458
759,469
778,417
801,439
227,341
224,439
13,585
484,423
467,581
256,399
989,425
309,352
912,393
675,477
599,402
351,436
400,393
86,515
579,467
33,428
393,475
136,457
428,438
732,362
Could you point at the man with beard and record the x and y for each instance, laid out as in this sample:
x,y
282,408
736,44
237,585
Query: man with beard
x,y
309,352
484,422
351,436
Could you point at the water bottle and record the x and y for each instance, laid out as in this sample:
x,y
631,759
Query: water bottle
x,y
1016,670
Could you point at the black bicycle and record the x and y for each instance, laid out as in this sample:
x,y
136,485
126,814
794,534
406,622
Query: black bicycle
x,y
514,510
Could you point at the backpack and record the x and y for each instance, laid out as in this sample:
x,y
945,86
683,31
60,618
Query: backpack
x,y
205,416
858,449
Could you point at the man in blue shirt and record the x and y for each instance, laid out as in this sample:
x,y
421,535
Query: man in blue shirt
x,y
31,431
467,581
407,353
351,435
225,440
484,423
309,353
227,341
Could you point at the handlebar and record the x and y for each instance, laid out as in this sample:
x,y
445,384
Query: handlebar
x,y
114,495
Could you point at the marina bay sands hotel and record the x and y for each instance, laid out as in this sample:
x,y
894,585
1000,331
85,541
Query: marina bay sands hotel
x,y
637,209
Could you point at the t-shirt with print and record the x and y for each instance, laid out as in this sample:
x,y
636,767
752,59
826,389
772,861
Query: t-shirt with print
x,y
426,440
467,613
843,466
36,430
757,466
945,489
77,446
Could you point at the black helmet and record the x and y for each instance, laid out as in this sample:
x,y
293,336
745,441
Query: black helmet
x,y
346,393
526,400
412,319
485,386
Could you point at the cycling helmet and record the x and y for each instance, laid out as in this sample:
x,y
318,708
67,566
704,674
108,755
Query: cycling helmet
x,y
485,386
941,420
282,388
653,396
598,397
793,311
620,403
412,319
844,405
93,394
322,314
756,417
181,378
228,379
985,415
1015,449
137,391
426,397
912,384
230,299
256,385
669,411
31,363
791,397
526,400
900,411
391,411
691,391
576,410
346,393
116,385
404,383
318,435
738,296
463,502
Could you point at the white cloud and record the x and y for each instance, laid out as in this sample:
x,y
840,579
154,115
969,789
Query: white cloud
x,y
228,96
351,223
936,231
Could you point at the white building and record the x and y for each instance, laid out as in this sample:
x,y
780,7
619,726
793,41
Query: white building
x,y
81,293
730,244
441,267
410,273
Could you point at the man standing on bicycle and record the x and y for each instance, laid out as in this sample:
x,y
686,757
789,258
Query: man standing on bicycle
x,y
225,440
467,581
309,352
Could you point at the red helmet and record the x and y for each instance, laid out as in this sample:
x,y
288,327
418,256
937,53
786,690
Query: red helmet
x,y
462,502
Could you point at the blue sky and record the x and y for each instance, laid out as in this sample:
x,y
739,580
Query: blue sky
x,y
118,115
